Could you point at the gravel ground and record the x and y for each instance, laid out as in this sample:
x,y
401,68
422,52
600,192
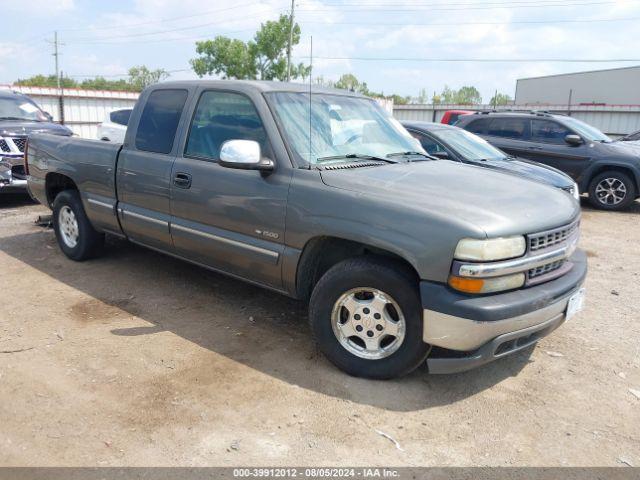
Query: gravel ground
x,y
138,359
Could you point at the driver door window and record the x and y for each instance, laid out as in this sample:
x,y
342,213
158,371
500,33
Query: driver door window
x,y
548,132
222,116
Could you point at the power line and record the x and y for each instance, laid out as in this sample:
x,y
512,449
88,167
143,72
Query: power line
x,y
114,75
465,8
519,22
171,39
164,20
507,3
483,60
159,32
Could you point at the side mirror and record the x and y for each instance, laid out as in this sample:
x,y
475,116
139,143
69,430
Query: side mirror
x,y
441,155
245,155
573,139
49,116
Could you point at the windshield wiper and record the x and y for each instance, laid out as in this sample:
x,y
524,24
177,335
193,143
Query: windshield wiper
x,y
411,153
354,156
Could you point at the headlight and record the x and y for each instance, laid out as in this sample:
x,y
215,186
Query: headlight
x,y
487,285
491,249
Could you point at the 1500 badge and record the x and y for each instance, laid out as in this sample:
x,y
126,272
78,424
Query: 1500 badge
x,y
266,233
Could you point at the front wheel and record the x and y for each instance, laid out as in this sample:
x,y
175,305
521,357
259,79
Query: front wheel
x,y
366,317
612,190
76,236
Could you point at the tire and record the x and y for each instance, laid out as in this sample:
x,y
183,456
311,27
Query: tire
x,y
600,197
361,283
67,207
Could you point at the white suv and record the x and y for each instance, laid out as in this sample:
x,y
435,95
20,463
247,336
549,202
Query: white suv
x,y
114,126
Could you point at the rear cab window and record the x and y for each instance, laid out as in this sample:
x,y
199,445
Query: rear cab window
x,y
221,116
159,120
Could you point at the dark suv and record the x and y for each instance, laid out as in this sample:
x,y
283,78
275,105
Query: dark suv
x,y
608,171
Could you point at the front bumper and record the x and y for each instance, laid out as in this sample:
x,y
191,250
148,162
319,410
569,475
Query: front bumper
x,y
481,329
8,181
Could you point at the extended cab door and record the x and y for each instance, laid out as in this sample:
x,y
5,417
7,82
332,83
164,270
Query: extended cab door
x,y
230,219
144,169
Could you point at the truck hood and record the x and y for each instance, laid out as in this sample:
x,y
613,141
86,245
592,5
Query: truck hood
x,y
495,202
531,170
10,128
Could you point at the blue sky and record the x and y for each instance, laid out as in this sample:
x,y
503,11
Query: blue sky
x,y
108,37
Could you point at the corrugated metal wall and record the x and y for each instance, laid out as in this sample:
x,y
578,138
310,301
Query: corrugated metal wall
x,y
83,109
613,120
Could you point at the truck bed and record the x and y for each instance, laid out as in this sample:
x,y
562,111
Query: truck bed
x,y
90,163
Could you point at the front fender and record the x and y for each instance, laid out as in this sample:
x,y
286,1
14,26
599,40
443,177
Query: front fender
x,y
601,166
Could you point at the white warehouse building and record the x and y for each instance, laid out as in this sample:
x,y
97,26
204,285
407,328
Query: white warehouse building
x,y
616,86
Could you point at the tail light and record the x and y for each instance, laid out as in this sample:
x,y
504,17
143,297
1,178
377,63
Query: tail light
x,y
26,157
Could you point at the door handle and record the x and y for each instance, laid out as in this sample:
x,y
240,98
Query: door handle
x,y
534,148
182,180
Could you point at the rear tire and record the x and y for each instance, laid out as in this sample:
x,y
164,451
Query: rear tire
x,y
76,237
612,190
366,317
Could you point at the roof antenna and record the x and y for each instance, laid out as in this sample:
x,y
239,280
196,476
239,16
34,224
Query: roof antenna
x,y
310,84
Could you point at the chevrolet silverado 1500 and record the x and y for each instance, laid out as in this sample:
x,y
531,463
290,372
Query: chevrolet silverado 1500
x,y
322,196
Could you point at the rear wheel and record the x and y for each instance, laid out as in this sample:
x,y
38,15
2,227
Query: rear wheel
x,y
76,236
612,190
366,317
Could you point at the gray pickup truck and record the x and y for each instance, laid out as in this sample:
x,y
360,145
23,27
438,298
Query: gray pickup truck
x,y
324,197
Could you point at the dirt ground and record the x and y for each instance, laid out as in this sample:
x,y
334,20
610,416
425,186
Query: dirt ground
x,y
138,359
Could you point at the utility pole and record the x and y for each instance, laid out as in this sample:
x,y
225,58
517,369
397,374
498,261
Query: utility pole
x,y
56,55
293,5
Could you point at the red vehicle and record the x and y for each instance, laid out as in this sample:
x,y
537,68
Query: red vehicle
x,y
451,116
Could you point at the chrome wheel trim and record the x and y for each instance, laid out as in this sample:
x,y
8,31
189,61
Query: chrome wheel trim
x,y
368,323
611,191
68,227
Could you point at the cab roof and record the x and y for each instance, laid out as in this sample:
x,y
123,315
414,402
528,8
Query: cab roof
x,y
261,85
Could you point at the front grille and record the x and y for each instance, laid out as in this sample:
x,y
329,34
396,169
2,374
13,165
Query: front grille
x,y
549,267
20,143
4,146
539,241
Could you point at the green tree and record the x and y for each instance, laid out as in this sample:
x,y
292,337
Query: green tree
x,y
46,81
469,96
224,56
141,77
101,83
464,96
350,82
422,98
501,99
264,57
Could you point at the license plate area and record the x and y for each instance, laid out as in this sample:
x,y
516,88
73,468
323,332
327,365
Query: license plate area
x,y
575,304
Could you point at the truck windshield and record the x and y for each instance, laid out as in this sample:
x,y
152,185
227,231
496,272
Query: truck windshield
x,y
339,126
19,108
468,145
